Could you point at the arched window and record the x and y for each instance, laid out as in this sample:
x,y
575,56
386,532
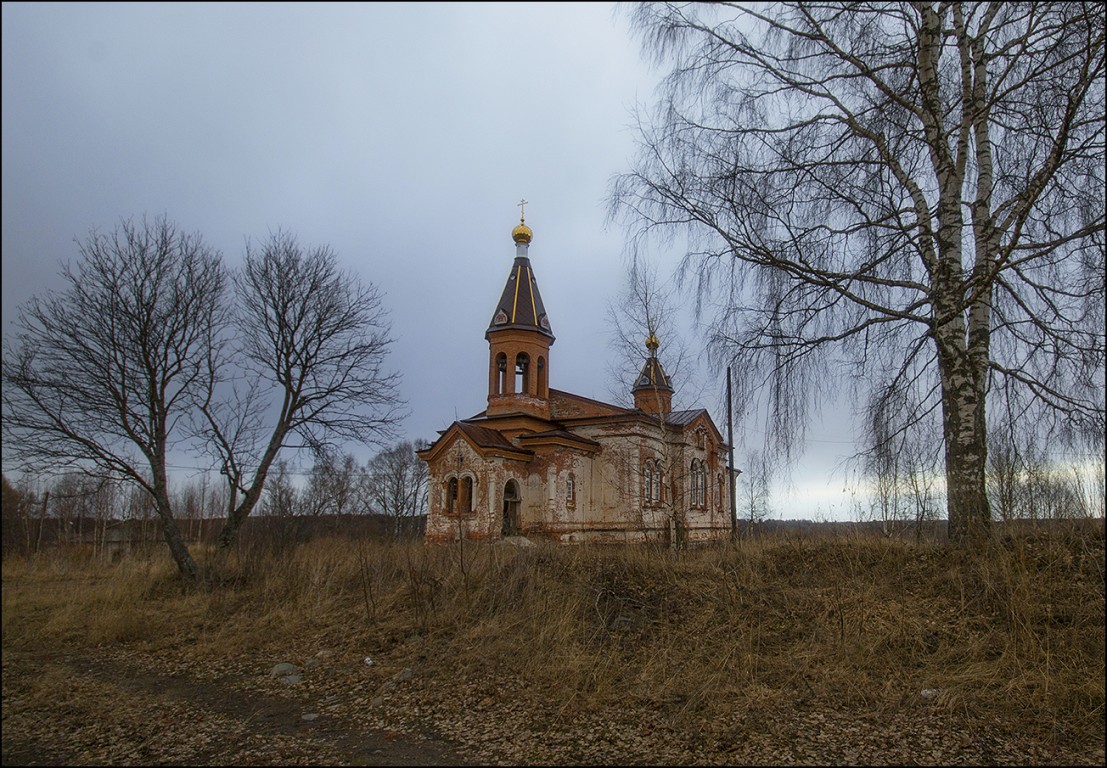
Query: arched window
x,y
571,489
543,387
699,483
501,373
466,495
451,496
511,509
695,477
653,476
522,373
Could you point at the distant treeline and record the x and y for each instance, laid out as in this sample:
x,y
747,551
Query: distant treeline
x,y
385,496
111,538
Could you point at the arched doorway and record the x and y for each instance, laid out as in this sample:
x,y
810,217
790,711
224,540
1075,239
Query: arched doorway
x,y
511,509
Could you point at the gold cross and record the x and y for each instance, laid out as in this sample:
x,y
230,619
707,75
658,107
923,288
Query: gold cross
x,y
522,210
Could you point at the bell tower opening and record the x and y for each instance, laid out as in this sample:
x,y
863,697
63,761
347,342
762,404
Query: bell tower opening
x,y
522,374
500,374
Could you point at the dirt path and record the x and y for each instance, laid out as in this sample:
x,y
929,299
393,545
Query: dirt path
x,y
139,706
114,713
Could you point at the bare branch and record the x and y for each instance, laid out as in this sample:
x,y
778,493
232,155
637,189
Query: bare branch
x,y
859,182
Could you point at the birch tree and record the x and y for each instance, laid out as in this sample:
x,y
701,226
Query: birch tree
x,y
756,488
645,307
332,486
910,195
643,320
396,483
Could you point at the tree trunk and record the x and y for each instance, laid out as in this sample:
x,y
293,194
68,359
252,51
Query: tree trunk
x,y
959,353
172,532
179,550
169,528
42,520
236,516
966,450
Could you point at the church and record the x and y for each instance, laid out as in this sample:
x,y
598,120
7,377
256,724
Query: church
x,y
539,462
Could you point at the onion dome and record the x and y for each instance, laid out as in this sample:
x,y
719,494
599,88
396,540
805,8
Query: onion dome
x,y
522,233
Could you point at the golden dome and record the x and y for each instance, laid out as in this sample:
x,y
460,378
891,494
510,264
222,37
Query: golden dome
x,y
652,343
522,233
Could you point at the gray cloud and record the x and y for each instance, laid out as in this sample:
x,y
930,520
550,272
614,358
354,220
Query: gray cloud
x,y
400,134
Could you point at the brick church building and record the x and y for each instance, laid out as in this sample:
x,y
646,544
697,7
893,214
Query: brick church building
x,y
543,463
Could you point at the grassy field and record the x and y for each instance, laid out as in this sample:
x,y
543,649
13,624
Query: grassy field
x,y
790,649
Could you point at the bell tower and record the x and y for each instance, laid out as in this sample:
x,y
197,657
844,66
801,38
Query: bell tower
x,y
519,338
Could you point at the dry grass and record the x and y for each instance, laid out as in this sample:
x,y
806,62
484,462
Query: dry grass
x,y
718,639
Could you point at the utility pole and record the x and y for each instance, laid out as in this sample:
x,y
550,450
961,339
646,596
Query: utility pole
x,y
730,460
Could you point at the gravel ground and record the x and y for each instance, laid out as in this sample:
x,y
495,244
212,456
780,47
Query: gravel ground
x,y
128,706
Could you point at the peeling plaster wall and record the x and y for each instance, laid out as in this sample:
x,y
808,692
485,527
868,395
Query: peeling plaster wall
x,y
608,503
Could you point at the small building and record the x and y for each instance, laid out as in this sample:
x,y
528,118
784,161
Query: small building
x,y
544,463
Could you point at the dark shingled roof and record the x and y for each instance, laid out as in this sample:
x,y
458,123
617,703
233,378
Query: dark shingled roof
x,y
652,375
520,306
488,438
683,418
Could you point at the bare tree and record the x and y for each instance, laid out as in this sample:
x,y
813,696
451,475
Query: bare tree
x,y
314,340
144,352
1006,467
282,498
396,483
332,485
913,189
643,319
196,505
18,515
104,372
1024,483
901,470
281,503
755,488
645,308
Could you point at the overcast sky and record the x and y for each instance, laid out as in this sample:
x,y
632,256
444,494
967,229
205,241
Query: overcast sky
x,y
402,135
